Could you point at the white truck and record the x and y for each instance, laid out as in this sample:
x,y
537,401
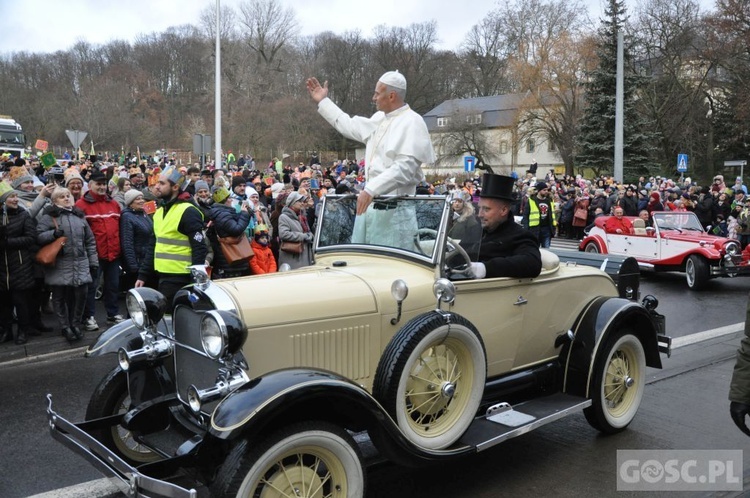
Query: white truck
x,y
12,138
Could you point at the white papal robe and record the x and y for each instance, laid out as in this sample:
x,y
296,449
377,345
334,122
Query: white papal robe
x,y
396,146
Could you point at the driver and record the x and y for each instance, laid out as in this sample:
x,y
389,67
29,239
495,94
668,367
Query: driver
x,y
506,248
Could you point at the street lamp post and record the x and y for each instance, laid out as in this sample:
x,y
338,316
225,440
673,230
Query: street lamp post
x,y
217,111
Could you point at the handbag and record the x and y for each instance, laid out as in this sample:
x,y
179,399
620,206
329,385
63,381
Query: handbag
x,y
236,248
291,247
581,213
47,255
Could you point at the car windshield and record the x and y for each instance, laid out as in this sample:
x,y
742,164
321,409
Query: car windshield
x,y
684,220
412,224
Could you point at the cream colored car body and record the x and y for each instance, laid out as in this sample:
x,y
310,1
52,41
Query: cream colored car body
x,y
339,317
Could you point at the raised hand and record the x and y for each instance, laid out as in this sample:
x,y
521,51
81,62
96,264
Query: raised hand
x,y
316,91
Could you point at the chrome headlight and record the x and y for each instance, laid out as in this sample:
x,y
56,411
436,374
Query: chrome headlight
x,y
145,306
732,248
221,332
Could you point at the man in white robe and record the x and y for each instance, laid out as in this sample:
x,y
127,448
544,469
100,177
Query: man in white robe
x,y
397,144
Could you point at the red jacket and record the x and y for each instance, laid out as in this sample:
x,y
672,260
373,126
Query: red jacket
x,y
263,261
103,216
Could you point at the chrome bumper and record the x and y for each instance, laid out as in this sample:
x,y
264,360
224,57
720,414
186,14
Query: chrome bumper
x,y
729,267
130,480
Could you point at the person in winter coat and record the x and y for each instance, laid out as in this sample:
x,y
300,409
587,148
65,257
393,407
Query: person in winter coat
x,y
739,387
466,227
136,237
103,216
227,222
70,277
580,222
704,208
568,202
293,228
17,245
263,261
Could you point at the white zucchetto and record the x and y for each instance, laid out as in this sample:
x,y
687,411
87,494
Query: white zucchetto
x,y
394,79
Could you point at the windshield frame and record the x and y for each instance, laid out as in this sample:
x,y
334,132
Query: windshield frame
x,y
432,260
691,221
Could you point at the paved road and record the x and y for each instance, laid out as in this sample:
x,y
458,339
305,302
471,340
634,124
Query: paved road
x,y
684,407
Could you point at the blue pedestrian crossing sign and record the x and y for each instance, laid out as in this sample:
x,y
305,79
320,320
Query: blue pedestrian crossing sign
x,y
682,162
469,163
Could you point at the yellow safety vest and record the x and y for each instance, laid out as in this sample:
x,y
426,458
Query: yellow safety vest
x,y
172,253
534,213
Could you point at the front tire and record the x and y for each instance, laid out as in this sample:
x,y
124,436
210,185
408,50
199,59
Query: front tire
x,y
431,377
112,397
696,272
308,459
617,384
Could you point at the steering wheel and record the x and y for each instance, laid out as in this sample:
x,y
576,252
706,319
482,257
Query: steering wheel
x,y
453,248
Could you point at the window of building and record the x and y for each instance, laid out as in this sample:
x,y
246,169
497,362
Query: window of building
x,y
503,146
551,147
443,122
530,146
474,119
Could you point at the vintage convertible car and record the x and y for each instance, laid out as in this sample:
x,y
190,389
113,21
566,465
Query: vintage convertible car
x,y
675,242
255,386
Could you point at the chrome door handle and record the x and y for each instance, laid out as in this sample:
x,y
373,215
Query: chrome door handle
x,y
520,301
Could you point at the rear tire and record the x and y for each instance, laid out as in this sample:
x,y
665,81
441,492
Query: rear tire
x,y
592,247
617,383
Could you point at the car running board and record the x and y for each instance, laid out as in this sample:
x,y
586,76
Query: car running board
x,y
502,422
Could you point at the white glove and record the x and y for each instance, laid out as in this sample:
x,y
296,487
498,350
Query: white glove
x,y
479,270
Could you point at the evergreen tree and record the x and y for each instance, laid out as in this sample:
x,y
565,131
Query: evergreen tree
x,y
596,140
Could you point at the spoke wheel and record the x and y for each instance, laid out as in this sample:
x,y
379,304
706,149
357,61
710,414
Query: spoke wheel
x,y
306,460
431,378
111,397
618,384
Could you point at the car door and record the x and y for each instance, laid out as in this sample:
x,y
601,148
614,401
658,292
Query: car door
x,y
496,306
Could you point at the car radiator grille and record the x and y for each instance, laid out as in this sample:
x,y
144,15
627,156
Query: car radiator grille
x,y
192,366
343,350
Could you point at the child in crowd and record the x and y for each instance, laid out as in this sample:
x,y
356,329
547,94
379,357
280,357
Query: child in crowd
x,y
263,261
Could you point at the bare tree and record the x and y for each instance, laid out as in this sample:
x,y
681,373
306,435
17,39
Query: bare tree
x,y
670,47
485,55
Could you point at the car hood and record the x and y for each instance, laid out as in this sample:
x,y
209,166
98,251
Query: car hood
x,y
321,291
689,236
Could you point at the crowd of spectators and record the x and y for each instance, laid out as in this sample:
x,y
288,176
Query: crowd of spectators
x,y
275,207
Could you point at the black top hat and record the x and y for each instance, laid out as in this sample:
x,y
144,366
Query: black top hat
x,y
497,187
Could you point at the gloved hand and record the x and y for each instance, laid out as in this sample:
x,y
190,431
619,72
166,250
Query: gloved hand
x,y
94,272
479,270
58,233
739,411
309,236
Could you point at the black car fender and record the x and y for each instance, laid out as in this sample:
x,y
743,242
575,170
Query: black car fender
x,y
286,396
123,335
603,317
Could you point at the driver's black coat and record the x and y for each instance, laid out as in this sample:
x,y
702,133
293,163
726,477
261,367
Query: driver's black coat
x,y
508,251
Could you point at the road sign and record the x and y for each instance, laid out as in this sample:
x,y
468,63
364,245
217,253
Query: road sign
x,y
682,163
469,163
76,137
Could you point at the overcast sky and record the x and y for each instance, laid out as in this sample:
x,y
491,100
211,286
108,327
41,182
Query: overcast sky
x,y
51,25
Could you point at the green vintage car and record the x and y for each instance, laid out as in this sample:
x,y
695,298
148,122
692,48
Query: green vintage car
x,y
255,386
